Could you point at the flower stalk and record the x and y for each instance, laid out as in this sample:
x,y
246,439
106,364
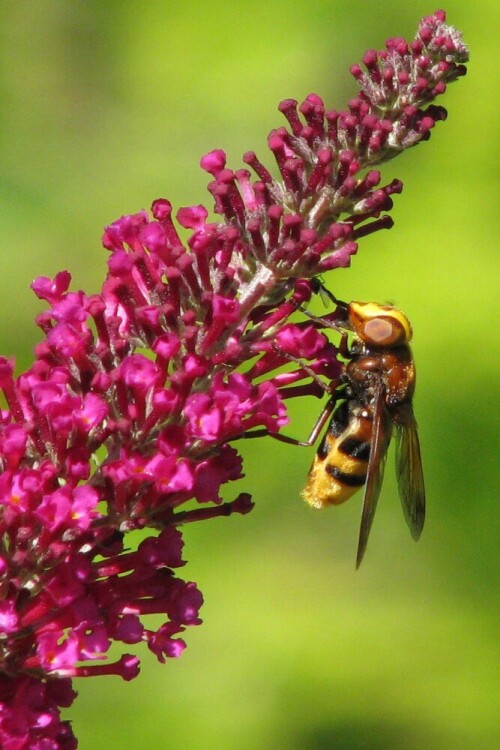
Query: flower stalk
x,y
137,395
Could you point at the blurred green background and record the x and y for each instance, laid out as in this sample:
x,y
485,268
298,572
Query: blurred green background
x,y
109,105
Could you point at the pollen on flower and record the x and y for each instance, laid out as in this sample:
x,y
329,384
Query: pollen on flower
x,y
137,395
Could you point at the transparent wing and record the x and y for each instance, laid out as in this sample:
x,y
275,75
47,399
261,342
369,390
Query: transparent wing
x,y
409,470
381,436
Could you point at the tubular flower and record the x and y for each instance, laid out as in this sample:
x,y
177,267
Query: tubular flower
x,y
136,394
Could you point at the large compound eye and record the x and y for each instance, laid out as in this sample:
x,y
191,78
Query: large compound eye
x,y
383,332
379,325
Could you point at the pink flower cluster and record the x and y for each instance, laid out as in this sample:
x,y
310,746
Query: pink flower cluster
x,y
137,394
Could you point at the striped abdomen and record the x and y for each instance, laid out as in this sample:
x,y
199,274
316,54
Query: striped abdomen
x,y
340,465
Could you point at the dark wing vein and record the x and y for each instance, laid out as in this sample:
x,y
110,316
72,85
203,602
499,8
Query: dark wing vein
x,y
409,471
381,436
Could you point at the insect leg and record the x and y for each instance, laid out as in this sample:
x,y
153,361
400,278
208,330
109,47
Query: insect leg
x,y
317,428
327,388
339,326
319,288
344,349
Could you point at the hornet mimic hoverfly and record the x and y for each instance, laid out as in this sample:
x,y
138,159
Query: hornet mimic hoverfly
x,y
373,399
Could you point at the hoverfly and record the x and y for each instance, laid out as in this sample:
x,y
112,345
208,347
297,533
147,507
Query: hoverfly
x,y
374,397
